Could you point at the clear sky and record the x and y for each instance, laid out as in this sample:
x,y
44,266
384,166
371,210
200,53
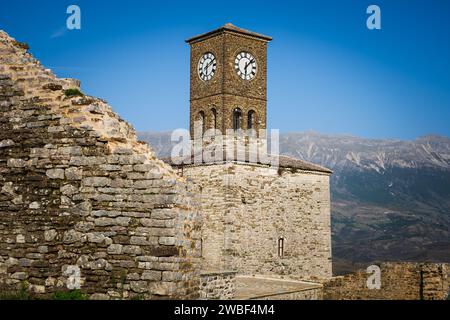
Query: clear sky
x,y
326,71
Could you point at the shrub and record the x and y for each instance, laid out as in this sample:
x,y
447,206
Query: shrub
x,y
22,45
73,92
69,295
21,294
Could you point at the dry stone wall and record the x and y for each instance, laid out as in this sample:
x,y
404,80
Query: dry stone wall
x,y
399,281
247,208
79,193
219,285
307,294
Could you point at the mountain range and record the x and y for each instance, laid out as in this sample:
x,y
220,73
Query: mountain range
x,y
390,198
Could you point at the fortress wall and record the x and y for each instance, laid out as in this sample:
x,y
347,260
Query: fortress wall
x,y
247,208
399,281
218,285
79,192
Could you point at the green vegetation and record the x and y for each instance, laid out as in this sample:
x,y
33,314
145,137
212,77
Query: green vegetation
x,y
22,45
122,275
21,294
137,297
69,295
73,93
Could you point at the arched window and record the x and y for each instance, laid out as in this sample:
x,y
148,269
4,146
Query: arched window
x,y
280,247
201,119
214,118
251,120
237,116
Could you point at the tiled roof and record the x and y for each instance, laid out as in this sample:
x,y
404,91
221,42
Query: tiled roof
x,y
284,162
232,28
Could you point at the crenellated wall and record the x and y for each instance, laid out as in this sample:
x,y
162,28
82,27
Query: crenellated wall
x,y
78,192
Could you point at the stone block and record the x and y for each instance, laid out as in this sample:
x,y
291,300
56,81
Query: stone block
x,y
55,173
151,275
74,173
115,249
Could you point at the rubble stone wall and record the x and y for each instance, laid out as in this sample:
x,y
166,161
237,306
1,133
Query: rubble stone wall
x,y
399,281
217,285
307,294
247,208
79,195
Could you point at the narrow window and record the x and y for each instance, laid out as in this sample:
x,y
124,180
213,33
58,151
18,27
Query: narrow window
x,y
201,118
201,247
251,120
214,118
237,115
280,247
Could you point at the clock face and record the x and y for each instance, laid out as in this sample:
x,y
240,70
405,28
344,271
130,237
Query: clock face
x,y
207,66
245,65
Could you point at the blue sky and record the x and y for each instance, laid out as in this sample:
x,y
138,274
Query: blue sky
x,y
326,71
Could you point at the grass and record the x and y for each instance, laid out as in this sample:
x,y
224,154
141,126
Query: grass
x,y
69,295
73,93
21,294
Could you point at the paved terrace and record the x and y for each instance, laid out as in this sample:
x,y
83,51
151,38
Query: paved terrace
x,y
259,287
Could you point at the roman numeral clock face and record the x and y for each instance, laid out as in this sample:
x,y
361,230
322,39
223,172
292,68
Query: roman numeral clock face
x,y
245,65
207,66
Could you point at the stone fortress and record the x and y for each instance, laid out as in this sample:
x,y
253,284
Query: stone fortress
x,y
84,205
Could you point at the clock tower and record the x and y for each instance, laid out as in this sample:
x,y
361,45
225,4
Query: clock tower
x,y
228,79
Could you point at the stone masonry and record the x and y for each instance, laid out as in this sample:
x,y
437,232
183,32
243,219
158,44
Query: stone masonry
x,y
79,195
257,218
399,281
84,205
217,285
226,90
248,207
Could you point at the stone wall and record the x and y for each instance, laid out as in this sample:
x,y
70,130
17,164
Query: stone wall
x,y
247,208
78,192
306,294
405,281
217,285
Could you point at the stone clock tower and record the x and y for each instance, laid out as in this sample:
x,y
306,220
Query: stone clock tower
x,y
228,79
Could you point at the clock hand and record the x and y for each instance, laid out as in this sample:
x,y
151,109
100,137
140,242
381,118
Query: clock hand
x,y
246,66
251,62
210,63
206,68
